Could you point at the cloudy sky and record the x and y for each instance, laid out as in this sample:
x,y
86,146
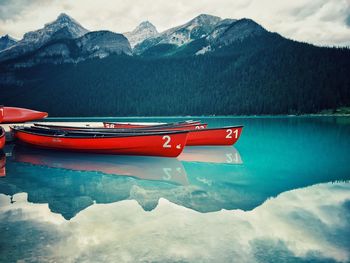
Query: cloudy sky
x,y
321,22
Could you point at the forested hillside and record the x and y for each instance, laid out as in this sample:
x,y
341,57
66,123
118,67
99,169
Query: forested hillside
x,y
265,75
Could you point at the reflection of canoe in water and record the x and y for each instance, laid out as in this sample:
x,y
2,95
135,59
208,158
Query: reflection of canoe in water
x,y
14,114
211,154
147,168
2,163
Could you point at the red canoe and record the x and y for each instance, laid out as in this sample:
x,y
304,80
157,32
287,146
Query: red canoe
x,y
13,114
119,125
214,136
2,164
2,137
185,127
166,144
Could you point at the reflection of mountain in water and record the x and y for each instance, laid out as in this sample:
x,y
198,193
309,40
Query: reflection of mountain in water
x,y
304,225
70,182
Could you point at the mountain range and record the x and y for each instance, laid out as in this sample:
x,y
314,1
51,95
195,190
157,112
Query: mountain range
x,y
65,40
208,65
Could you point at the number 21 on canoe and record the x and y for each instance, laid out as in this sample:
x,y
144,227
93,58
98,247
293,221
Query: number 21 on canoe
x,y
214,136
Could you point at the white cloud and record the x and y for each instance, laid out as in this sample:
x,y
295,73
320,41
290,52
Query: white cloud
x,y
320,22
302,222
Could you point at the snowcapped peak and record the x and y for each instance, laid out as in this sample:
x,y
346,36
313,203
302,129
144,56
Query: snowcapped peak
x,y
143,31
63,21
205,18
63,17
146,25
196,28
6,41
8,38
63,27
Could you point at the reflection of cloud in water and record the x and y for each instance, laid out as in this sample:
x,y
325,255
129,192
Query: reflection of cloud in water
x,y
310,222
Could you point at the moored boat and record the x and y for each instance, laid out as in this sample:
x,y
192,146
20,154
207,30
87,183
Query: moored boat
x,y
176,127
197,137
2,137
214,136
166,144
14,114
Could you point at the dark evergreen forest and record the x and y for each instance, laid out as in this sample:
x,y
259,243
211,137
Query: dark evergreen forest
x,y
270,75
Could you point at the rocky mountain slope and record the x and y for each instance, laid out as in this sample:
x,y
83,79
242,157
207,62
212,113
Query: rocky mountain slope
x,y
64,40
143,31
196,28
36,39
6,42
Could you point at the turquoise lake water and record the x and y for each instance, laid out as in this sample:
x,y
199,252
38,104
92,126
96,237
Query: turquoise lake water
x,y
281,194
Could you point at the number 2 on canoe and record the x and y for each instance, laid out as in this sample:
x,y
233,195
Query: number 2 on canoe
x,y
167,141
229,133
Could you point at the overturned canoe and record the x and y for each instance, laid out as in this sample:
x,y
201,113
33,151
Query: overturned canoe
x,y
2,137
14,114
166,144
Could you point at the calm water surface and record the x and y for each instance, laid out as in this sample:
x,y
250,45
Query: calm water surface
x,y
282,194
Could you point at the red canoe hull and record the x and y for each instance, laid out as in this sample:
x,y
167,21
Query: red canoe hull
x,y
196,137
2,137
2,164
219,136
166,145
13,114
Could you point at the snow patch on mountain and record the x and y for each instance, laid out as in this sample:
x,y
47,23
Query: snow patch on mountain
x,y
35,39
192,30
6,42
143,31
196,28
42,35
203,50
